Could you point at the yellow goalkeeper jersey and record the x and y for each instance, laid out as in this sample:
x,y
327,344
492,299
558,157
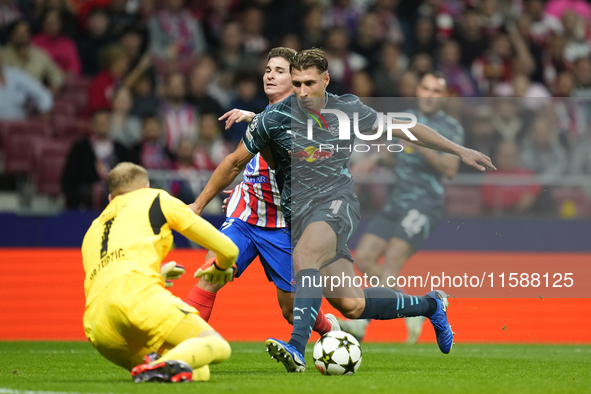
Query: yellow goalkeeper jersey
x,y
133,234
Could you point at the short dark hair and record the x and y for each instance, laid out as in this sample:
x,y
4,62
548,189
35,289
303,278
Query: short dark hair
x,y
286,53
310,58
436,74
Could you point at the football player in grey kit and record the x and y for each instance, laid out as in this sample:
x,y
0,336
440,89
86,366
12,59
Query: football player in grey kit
x,y
318,201
415,206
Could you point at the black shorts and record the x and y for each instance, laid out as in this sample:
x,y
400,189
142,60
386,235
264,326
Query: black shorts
x,y
412,224
340,211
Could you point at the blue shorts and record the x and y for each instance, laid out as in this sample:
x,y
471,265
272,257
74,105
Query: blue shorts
x,y
272,245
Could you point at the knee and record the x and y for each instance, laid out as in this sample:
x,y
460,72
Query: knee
x,y
222,349
351,308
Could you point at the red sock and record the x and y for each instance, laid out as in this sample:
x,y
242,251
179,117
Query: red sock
x,y
322,325
202,300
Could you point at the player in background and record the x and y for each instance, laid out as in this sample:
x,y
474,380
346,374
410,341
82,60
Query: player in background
x,y
415,206
129,317
320,206
254,220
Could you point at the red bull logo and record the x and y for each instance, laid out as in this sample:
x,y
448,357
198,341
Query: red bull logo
x,y
313,153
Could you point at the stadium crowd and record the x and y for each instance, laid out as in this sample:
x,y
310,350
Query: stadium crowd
x,y
85,84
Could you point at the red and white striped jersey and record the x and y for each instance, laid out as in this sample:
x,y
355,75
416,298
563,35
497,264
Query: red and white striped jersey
x,y
256,200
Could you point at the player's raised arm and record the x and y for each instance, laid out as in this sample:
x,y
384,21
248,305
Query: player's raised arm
x,y
429,138
227,171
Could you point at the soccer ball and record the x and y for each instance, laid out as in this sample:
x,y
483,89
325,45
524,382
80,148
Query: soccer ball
x,y
337,353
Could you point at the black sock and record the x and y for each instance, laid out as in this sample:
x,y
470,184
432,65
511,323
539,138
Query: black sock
x,y
306,305
382,303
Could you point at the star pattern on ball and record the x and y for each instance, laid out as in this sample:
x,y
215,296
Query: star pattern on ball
x,y
344,342
349,367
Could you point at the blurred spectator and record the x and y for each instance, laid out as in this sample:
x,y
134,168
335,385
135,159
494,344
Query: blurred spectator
x,y
253,25
20,53
188,187
492,19
572,116
521,86
175,34
88,163
202,88
510,122
120,18
388,22
180,118
16,89
407,84
114,62
393,63
576,44
564,84
91,43
580,163
211,148
542,26
344,14
218,14
342,63
421,63
515,198
442,13
367,42
458,78
582,72
231,56
291,41
553,60
481,136
541,151
469,35
145,100
423,40
150,152
312,29
125,128
69,24
57,45
248,99
9,13
132,39
362,86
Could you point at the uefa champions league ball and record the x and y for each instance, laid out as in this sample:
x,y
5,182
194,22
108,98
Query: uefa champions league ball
x,y
337,353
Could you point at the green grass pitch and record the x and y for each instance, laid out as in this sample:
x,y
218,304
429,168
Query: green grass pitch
x,y
75,367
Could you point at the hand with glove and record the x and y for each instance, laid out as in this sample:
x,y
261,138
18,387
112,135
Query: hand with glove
x,y
171,271
211,272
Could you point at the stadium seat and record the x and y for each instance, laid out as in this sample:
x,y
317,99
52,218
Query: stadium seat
x,y
463,201
78,98
49,157
33,126
76,85
68,128
16,138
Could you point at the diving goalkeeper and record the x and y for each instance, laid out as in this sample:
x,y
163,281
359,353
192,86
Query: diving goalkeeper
x,y
129,317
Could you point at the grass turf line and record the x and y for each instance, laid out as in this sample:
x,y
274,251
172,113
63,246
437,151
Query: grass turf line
x,y
77,367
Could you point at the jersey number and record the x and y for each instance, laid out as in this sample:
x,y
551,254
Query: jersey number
x,y
105,240
413,222
335,205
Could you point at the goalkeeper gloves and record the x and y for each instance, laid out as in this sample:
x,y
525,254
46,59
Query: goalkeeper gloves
x,y
171,271
211,272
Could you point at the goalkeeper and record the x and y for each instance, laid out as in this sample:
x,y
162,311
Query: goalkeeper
x,y
129,317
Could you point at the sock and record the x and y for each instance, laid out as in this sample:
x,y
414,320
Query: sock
x,y
306,305
201,374
384,304
200,351
202,300
322,325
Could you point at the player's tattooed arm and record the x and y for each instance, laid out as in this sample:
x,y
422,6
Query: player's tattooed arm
x,y
226,172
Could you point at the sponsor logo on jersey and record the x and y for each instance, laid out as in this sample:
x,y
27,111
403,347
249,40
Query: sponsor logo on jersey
x,y
255,179
313,153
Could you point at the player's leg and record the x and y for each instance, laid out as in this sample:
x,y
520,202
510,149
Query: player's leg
x,y
202,296
274,248
370,248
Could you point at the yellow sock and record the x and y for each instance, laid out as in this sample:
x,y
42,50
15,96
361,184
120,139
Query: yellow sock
x,y
201,374
200,351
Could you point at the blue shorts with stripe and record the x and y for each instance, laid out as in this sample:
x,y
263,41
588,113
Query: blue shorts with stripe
x,y
272,245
